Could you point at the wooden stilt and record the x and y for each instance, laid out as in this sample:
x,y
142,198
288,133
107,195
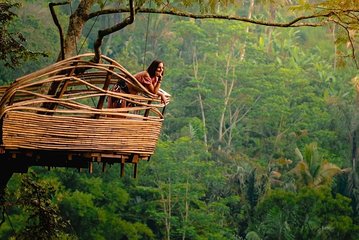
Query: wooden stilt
x,y
122,166
135,170
90,167
134,160
103,166
122,169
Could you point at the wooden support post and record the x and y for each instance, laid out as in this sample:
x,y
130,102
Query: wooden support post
x,y
122,166
135,170
105,87
134,160
90,167
58,94
147,112
122,169
163,110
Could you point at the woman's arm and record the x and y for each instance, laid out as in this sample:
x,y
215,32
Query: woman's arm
x,y
157,85
146,80
164,99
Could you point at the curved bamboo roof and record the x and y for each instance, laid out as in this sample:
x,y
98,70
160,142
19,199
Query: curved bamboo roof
x,y
60,112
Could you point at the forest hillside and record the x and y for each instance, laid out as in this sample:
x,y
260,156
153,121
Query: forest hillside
x,y
260,139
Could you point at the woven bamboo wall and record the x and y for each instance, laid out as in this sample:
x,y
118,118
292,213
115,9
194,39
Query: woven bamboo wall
x,y
42,132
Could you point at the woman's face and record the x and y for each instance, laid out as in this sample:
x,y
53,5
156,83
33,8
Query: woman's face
x,y
159,70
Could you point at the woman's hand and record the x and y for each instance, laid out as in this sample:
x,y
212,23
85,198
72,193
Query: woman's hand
x,y
164,99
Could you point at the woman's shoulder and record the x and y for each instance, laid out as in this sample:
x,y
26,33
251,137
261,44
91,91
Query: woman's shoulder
x,y
142,74
143,77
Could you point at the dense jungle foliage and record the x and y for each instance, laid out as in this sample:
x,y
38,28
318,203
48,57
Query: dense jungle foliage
x,y
260,140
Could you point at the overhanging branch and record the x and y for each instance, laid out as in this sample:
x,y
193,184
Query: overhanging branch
x,y
351,42
297,22
115,28
345,18
56,21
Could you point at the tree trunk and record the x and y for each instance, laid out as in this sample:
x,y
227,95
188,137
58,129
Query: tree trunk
x,y
335,47
167,208
355,157
228,88
186,214
201,103
270,30
250,12
76,24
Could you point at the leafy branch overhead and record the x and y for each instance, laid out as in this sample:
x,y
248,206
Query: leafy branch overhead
x,y
344,14
12,49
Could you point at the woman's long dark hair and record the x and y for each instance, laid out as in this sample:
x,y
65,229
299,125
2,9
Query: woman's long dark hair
x,y
153,67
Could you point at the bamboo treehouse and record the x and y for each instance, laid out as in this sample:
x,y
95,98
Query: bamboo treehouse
x,y
58,117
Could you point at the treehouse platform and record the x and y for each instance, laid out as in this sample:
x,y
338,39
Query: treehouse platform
x,y
58,117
